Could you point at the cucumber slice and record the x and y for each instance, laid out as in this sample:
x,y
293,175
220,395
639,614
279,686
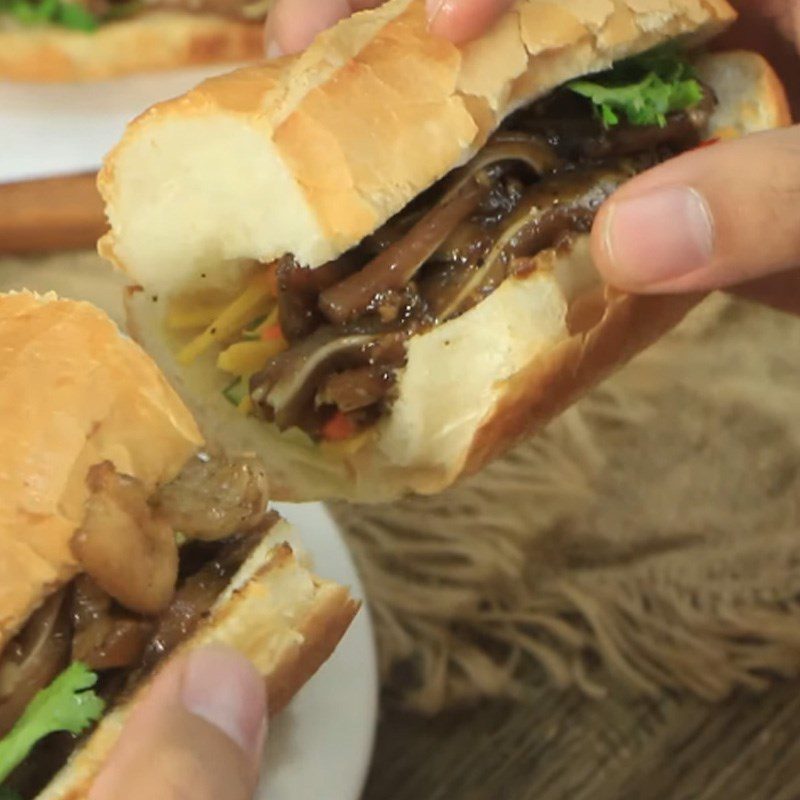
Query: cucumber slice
x,y
236,392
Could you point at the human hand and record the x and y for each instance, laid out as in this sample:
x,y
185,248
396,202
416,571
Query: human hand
x,y
198,733
292,24
722,215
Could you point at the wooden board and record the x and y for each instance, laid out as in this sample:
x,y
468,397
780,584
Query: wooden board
x,y
63,213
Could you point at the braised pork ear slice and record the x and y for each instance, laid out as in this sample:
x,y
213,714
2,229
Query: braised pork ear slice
x,y
104,634
215,497
33,658
127,549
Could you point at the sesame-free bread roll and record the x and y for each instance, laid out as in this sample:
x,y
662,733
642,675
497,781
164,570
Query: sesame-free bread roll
x,y
308,155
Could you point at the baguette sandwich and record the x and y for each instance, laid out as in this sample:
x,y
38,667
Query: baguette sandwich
x,y
122,544
371,261
61,41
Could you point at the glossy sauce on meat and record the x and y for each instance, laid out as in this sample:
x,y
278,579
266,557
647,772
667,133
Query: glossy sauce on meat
x,y
539,180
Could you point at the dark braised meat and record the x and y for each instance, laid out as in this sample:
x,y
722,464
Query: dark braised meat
x,y
81,622
128,550
538,181
31,660
215,497
105,635
211,566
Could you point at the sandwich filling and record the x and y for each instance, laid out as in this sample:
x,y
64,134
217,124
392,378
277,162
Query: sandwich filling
x,y
321,349
153,567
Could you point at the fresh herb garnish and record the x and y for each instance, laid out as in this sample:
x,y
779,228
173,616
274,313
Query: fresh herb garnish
x,y
643,89
55,12
67,704
7,794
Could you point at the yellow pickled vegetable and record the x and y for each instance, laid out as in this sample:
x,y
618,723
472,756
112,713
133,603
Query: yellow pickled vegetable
x,y
245,358
253,302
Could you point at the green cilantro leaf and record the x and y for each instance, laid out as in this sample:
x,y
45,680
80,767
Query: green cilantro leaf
x,y
72,15
56,12
644,89
7,794
67,704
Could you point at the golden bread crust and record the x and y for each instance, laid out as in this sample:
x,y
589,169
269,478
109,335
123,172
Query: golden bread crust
x,y
151,41
73,392
550,384
375,111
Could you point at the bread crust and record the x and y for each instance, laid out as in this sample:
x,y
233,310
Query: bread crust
x,y
548,385
73,392
285,620
351,130
150,41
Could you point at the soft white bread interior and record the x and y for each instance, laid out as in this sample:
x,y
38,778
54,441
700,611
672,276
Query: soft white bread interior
x,y
529,354
275,612
310,153
73,393
154,40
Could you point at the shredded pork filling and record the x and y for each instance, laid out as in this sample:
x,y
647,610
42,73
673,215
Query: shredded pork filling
x,y
111,620
539,181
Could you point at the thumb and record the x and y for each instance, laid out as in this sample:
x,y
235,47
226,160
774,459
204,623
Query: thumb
x,y
710,218
198,732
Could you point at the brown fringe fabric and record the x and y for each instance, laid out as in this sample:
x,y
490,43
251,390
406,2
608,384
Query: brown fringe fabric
x,y
650,536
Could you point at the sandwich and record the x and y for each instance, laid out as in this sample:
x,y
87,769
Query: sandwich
x,y
371,260
124,542
59,41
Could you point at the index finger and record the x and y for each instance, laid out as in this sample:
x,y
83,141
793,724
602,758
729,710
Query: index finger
x,y
293,24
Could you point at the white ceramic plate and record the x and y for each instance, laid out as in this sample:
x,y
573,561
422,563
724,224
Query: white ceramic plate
x,y
62,129
320,747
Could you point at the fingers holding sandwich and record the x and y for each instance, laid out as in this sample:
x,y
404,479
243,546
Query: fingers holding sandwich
x,y
712,218
198,733
293,24
462,20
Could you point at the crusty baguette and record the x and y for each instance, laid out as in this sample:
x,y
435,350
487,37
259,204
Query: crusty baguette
x,y
73,392
276,613
156,40
309,154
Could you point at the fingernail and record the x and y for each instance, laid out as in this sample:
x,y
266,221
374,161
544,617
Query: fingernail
x,y
658,236
273,49
433,7
223,688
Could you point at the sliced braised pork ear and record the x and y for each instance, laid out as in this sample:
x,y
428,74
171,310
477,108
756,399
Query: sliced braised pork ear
x,y
212,565
33,659
128,550
104,636
395,266
287,389
214,498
